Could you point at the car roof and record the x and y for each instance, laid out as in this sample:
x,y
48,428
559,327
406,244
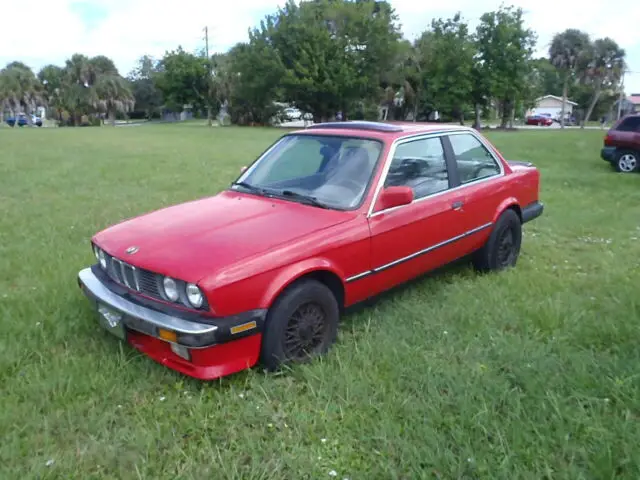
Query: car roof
x,y
386,131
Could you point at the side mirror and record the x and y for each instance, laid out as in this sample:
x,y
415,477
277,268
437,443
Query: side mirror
x,y
394,197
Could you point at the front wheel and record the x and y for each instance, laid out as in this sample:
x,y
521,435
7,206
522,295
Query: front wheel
x,y
301,324
503,247
626,161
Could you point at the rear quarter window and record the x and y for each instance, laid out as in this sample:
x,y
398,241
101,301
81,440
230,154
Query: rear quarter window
x,y
631,124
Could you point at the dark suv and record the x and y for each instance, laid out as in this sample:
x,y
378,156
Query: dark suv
x,y
622,144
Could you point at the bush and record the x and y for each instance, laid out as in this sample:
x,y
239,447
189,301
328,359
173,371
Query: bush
x,y
65,117
366,111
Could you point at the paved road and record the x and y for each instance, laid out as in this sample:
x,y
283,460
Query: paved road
x,y
303,124
554,126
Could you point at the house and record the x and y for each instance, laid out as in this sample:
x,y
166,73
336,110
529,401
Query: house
x,y
629,104
626,107
634,100
551,105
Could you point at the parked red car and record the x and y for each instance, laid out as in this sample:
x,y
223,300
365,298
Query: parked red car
x,y
622,144
540,120
325,218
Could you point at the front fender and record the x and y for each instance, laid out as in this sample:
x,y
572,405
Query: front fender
x,y
261,290
289,274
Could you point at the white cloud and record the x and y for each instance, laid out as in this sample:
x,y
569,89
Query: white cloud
x,y
130,28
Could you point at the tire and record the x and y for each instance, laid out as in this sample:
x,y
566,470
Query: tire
x,y
626,161
302,301
503,247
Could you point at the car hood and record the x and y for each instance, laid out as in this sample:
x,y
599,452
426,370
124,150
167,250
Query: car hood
x,y
192,240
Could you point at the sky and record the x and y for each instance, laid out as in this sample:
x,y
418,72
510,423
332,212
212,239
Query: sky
x,y
50,31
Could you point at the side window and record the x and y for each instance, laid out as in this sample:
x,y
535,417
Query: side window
x,y
631,124
419,164
473,159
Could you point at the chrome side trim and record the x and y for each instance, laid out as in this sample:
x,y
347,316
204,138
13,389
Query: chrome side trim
x,y
96,288
358,276
419,253
422,136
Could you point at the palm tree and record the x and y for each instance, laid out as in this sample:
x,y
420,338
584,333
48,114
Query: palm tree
x,y
92,85
604,70
567,52
79,70
21,90
5,96
114,95
53,79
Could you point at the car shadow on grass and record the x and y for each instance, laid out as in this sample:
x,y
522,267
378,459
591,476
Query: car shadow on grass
x,y
438,278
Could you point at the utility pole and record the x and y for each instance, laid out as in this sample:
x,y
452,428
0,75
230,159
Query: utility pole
x,y
206,39
621,95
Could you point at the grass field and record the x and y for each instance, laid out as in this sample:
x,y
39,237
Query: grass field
x,y
529,374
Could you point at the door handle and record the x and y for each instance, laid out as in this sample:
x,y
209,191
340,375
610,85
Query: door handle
x,y
457,205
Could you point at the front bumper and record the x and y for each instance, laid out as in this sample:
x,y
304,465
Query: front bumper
x,y
215,346
608,154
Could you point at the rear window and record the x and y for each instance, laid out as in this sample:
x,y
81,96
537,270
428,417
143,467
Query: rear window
x,y
631,124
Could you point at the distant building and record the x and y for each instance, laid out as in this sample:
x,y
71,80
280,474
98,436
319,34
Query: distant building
x,y
634,100
551,105
630,104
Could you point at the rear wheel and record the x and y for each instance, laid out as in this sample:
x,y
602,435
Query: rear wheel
x,y
301,324
626,161
503,247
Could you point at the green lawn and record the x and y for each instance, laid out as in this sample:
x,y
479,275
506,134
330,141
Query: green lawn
x,y
533,373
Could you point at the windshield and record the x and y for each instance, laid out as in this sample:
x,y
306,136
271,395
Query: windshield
x,y
332,171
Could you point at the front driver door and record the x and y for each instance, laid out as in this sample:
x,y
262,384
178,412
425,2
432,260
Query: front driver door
x,y
412,239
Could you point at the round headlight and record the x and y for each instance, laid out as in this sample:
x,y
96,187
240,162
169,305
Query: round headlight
x,y
194,295
102,258
170,289
95,252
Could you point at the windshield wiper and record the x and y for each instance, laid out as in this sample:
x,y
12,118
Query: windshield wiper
x,y
308,199
250,187
304,198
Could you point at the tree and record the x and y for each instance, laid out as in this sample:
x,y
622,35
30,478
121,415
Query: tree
x,y
567,53
147,97
224,78
114,96
182,78
604,70
79,70
21,91
547,77
252,80
402,83
53,80
79,96
333,52
448,59
480,94
101,65
504,48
